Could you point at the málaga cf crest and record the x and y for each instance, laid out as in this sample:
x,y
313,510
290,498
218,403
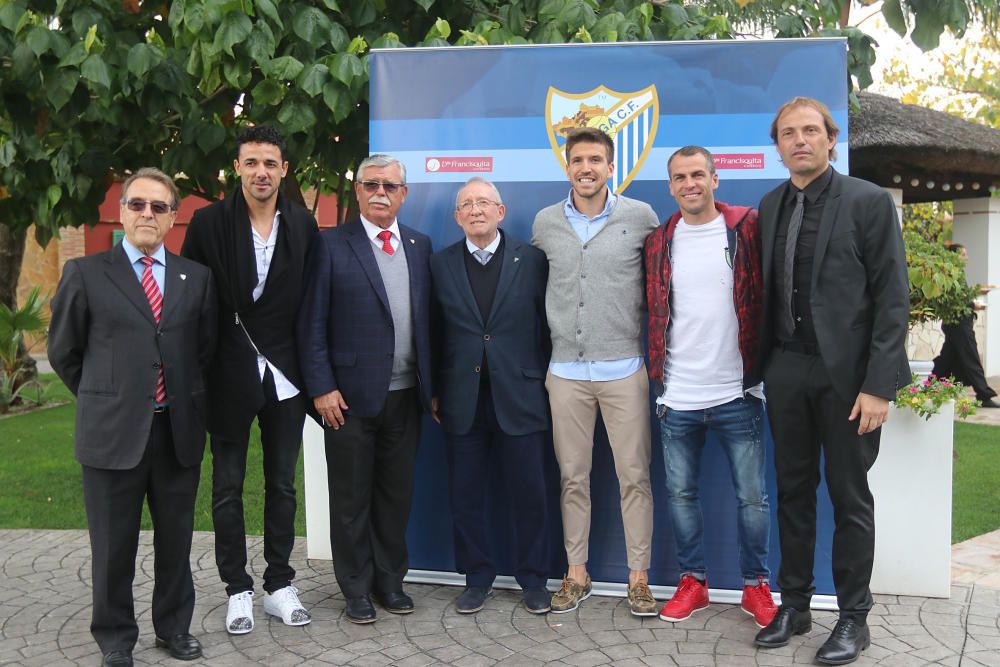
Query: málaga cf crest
x,y
629,118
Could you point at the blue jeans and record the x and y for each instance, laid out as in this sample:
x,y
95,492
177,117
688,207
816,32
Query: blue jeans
x,y
739,427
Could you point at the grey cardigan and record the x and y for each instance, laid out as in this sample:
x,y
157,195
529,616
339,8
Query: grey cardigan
x,y
596,290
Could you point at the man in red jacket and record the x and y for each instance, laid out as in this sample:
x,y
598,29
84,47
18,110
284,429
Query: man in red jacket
x,y
703,287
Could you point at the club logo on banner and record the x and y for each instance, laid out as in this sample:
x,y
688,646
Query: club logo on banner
x,y
630,119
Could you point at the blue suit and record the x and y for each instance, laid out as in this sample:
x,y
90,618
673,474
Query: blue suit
x,y
346,342
496,422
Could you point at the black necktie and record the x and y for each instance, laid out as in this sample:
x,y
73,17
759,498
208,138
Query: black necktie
x,y
791,240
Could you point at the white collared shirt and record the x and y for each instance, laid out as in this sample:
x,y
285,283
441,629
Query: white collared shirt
x,y
491,248
263,252
374,230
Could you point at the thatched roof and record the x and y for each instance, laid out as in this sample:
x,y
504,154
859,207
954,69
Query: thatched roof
x,y
895,145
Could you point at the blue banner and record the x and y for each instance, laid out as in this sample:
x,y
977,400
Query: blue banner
x,y
501,113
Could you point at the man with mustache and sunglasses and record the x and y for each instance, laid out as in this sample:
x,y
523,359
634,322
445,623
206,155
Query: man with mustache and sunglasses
x,y
364,333
255,242
132,333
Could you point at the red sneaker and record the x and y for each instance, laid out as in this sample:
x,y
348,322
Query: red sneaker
x,y
757,602
690,596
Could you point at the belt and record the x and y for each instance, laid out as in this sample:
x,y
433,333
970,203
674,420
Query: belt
x,y
798,348
160,410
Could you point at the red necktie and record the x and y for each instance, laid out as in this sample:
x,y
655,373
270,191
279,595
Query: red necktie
x,y
155,299
385,236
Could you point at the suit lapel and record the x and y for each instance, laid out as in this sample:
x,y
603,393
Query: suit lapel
x,y
826,224
769,221
508,271
122,275
363,250
176,283
455,261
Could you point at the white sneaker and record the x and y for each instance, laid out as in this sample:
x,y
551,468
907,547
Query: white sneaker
x,y
239,617
284,603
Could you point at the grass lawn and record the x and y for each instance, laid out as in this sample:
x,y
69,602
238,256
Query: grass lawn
x,y
976,494
40,484
40,480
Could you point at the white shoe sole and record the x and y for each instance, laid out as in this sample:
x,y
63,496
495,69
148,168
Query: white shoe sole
x,y
678,620
293,623
752,615
573,608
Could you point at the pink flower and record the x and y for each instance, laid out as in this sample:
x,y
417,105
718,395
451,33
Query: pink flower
x,y
914,390
927,383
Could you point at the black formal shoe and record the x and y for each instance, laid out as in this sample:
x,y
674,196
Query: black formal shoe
x,y
472,599
537,600
181,647
395,603
845,643
117,659
786,622
989,403
360,610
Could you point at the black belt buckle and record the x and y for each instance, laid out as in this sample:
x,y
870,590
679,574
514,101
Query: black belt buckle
x,y
160,410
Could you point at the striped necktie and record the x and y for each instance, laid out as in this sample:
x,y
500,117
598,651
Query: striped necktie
x,y
155,299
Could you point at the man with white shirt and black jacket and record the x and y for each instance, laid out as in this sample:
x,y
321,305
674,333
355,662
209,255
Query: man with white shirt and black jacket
x,y
255,242
704,291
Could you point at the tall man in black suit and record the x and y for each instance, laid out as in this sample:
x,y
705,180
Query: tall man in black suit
x,y
836,307
365,351
132,333
255,242
490,339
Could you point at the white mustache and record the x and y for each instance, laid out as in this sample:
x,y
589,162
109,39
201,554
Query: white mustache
x,y
379,199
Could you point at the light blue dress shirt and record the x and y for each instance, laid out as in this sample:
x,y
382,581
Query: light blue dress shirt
x,y
159,265
594,371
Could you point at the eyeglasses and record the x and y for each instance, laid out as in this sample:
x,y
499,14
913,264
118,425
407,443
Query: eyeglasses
x,y
371,187
158,207
483,204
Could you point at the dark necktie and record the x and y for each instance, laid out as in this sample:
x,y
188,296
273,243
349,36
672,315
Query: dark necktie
x,y
155,299
791,240
386,237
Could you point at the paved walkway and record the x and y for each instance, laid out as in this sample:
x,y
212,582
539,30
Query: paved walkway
x,y
45,614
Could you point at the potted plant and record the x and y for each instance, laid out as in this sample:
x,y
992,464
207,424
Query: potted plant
x,y
16,386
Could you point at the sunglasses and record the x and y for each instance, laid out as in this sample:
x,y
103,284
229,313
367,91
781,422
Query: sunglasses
x,y
139,205
371,187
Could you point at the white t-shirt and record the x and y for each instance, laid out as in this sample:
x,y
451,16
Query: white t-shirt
x,y
704,367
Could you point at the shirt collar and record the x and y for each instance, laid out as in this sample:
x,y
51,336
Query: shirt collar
x,y
571,210
274,230
134,254
815,188
491,248
373,230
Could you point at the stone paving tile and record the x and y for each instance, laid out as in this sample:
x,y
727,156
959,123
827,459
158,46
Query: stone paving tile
x,y
45,616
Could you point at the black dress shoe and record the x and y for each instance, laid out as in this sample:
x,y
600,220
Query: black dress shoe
x,y
786,622
472,599
181,647
360,610
395,603
989,403
845,644
117,659
537,600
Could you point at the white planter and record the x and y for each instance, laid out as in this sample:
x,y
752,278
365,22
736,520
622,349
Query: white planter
x,y
911,482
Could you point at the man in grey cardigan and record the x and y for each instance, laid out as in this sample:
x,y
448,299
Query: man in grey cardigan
x,y
594,301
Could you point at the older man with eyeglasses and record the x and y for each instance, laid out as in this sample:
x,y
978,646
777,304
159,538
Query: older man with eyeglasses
x,y
364,343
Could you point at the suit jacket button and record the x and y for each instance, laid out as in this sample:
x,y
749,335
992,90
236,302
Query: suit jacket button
x,y
486,337
156,365
477,369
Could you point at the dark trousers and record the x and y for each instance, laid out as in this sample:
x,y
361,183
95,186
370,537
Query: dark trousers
x,y
113,500
807,417
472,457
281,437
959,357
369,463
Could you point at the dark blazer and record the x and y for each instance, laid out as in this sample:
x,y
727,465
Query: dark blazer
x,y
107,348
514,339
345,329
220,237
860,288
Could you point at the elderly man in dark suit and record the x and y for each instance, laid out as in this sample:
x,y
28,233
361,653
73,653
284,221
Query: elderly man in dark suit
x,y
835,317
364,345
255,241
491,338
132,333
